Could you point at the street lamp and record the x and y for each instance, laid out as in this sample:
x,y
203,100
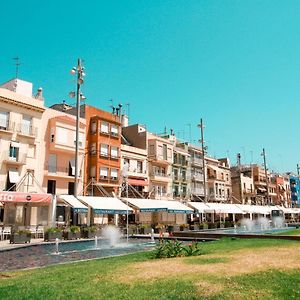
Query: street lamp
x,y
125,179
79,71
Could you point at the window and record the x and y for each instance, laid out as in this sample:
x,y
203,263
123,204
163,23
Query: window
x,y
114,130
14,151
26,125
114,152
103,173
93,127
114,174
165,151
139,166
3,120
51,187
62,135
52,163
80,139
104,150
104,127
72,167
71,188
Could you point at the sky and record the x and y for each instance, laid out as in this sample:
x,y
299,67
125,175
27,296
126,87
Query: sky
x,y
235,64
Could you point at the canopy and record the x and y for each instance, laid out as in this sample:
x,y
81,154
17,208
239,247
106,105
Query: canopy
x,y
176,207
201,207
222,208
19,197
78,206
105,205
151,205
146,205
289,210
138,182
13,176
255,209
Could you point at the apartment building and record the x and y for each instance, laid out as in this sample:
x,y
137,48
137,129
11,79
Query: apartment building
x,y
218,180
103,151
196,173
242,184
21,139
282,190
295,190
181,172
134,160
58,151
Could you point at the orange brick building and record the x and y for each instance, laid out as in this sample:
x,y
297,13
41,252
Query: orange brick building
x,y
103,147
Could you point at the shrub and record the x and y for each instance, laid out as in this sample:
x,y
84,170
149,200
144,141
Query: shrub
x,y
74,229
53,230
167,249
23,231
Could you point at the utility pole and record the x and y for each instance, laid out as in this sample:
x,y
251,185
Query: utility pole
x,y
201,126
17,59
266,173
79,71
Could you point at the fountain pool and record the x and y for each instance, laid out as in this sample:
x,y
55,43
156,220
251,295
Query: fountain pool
x,y
63,252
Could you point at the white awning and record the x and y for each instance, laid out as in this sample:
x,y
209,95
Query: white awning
x,y
15,144
152,205
176,207
255,209
72,165
289,210
146,205
70,200
105,205
222,208
13,176
200,207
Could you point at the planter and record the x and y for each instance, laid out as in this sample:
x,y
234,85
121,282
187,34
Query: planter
x,y
90,234
71,235
22,238
52,236
196,227
176,228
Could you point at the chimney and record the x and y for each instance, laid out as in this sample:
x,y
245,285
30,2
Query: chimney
x,y
39,94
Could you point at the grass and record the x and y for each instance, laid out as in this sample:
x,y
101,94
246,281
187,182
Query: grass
x,y
228,269
289,232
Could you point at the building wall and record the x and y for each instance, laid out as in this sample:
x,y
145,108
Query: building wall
x,y
96,159
59,135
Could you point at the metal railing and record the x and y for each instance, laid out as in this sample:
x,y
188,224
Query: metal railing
x,y
19,158
26,129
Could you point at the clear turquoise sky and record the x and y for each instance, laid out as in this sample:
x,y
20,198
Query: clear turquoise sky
x,y
236,64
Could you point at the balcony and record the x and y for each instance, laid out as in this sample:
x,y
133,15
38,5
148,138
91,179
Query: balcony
x,y
137,173
198,177
19,160
158,176
59,171
197,191
7,127
26,130
196,161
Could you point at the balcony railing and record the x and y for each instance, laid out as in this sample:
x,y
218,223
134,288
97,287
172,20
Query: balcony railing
x,y
26,130
160,174
19,159
196,161
7,126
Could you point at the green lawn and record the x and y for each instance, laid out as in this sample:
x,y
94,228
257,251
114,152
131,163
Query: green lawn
x,y
216,274
290,232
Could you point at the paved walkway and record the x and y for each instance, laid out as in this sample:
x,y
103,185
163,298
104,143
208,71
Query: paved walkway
x,y
5,245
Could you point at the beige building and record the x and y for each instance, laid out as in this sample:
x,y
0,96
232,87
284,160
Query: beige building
x,y
242,185
21,137
218,180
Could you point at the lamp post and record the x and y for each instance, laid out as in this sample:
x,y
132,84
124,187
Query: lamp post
x,y
203,148
79,71
125,179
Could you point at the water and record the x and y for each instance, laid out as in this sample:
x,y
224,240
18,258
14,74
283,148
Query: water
x,y
45,254
112,234
261,225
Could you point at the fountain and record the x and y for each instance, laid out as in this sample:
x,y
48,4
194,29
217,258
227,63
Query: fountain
x,y
247,224
152,236
56,246
96,241
112,234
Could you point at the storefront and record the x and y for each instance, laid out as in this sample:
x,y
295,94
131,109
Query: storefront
x,y
25,209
